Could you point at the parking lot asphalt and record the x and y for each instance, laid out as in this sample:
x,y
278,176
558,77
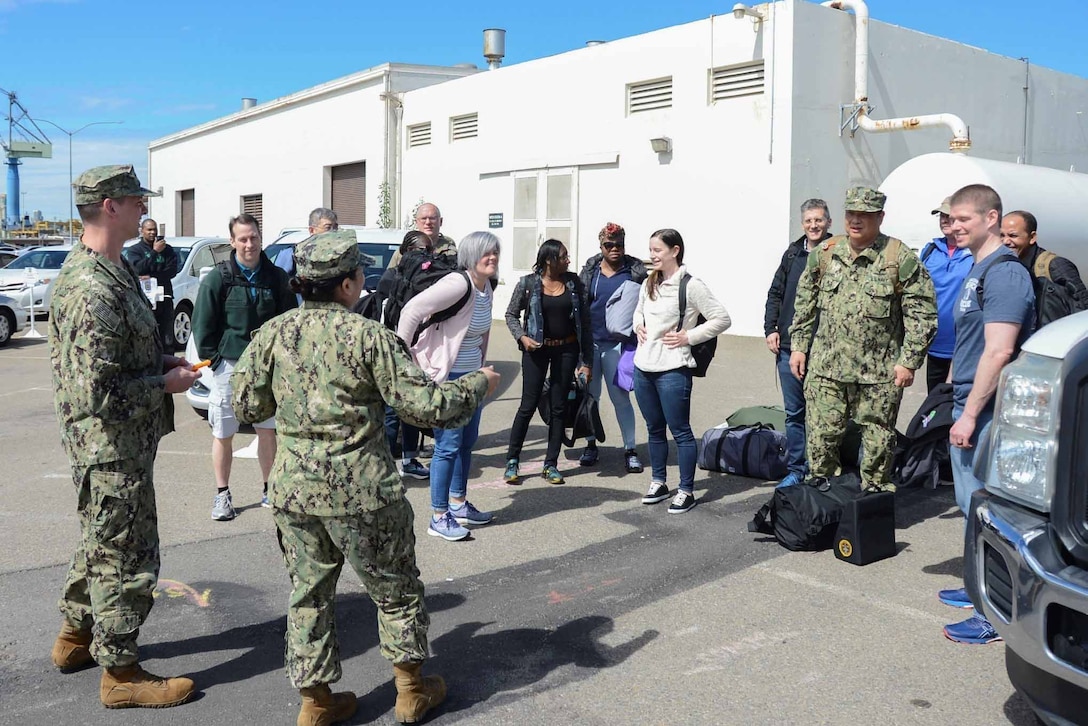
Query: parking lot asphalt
x,y
578,605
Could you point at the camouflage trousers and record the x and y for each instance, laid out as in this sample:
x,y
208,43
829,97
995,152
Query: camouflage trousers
x,y
381,547
829,404
114,570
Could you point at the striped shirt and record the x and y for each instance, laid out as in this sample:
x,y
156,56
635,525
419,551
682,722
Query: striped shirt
x,y
470,356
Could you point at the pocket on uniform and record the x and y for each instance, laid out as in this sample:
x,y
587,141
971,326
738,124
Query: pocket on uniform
x,y
829,284
113,502
878,299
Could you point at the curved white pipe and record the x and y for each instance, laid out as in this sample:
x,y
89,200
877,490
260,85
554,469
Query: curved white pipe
x,y
961,138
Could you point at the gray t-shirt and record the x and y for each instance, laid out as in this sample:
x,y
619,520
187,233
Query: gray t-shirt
x,y
1007,297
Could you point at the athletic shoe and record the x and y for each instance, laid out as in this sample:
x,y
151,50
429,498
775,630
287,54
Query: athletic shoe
x,y
552,475
265,503
791,479
657,492
414,469
511,473
465,513
975,630
956,598
223,507
631,462
447,528
589,456
682,502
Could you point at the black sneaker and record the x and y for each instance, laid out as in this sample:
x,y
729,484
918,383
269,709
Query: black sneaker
x,y
589,456
682,502
657,492
630,460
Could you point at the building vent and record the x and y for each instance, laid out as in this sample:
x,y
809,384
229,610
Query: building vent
x,y
742,79
464,127
649,95
419,135
254,204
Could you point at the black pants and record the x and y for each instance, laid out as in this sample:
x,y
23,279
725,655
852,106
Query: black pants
x,y
164,316
561,360
936,371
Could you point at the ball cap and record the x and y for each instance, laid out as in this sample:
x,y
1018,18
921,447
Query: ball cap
x,y
327,255
864,199
108,182
945,207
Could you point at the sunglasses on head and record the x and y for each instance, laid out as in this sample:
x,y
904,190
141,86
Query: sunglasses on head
x,y
612,245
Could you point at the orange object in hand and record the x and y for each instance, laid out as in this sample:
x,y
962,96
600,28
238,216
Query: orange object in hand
x,y
201,364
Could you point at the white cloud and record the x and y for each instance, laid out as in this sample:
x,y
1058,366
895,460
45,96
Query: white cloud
x,y
102,103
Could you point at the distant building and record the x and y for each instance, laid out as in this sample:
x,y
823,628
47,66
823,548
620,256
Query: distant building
x,y
719,128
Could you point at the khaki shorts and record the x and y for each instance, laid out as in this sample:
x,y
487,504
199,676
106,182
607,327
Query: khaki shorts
x,y
220,413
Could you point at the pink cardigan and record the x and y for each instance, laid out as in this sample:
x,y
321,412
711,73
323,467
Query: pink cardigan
x,y
438,345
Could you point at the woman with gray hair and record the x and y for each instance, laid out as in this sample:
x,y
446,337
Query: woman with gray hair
x,y
446,351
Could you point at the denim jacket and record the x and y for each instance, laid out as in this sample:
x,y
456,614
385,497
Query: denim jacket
x,y
524,314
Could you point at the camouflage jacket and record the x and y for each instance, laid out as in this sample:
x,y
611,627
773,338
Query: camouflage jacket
x,y
107,362
874,313
327,374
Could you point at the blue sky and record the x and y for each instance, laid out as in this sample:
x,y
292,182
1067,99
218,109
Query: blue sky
x,y
162,66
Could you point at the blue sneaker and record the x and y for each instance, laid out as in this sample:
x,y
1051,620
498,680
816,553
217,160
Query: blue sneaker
x,y
414,469
465,513
447,528
956,598
791,479
975,630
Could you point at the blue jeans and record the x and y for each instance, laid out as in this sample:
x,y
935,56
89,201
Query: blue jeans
x,y
793,400
606,356
408,433
963,460
452,459
665,399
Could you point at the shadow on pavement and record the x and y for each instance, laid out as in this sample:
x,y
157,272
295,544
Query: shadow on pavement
x,y
529,503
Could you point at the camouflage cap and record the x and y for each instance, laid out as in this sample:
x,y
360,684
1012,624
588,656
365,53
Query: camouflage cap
x,y
108,182
945,208
327,255
864,199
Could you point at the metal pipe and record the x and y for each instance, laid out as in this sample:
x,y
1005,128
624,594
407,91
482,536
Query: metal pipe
x,y
961,136
1024,144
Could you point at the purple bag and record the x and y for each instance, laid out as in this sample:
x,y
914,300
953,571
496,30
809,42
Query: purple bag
x,y
625,369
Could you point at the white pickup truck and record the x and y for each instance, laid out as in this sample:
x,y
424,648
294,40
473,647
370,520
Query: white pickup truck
x,y
1026,554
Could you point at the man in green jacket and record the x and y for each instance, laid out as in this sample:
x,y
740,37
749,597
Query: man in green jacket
x,y
234,300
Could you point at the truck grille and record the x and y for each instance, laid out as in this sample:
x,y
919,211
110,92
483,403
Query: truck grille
x,y
1069,509
998,581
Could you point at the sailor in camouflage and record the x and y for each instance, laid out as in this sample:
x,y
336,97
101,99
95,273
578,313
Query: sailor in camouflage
x,y
326,374
877,315
112,388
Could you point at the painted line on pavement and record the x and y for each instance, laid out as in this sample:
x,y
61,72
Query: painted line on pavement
x,y
854,595
24,357
25,390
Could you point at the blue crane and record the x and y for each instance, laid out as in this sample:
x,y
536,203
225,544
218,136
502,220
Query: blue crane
x,y
24,141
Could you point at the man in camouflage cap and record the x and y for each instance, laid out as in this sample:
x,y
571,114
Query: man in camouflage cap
x,y
877,316
321,370
113,389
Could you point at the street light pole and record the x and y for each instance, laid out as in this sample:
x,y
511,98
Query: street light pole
x,y
71,179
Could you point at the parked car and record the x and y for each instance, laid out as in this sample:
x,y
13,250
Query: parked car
x,y
1026,555
13,318
46,262
9,253
194,254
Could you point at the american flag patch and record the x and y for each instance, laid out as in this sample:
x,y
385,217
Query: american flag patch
x,y
106,315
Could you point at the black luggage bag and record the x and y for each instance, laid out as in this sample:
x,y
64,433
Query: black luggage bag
x,y
803,518
866,531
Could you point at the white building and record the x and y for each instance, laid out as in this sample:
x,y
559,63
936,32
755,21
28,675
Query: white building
x,y
747,111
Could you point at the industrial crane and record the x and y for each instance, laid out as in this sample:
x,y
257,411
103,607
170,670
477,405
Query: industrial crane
x,y
24,141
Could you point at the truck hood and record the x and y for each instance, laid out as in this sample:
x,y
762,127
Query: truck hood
x,y
1059,337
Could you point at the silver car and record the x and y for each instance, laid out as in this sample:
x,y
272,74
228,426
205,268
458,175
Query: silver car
x,y
13,318
46,263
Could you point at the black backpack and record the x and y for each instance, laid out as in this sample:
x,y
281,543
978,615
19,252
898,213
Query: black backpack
x,y
802,518
1053,300
417,271
703,352
922,451
226,271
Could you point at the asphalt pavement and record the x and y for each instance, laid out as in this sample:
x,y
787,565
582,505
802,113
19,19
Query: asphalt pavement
x,y
578,605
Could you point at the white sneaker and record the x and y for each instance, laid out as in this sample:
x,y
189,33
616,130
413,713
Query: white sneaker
x,y
223,508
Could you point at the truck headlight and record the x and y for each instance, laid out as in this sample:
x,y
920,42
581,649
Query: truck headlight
x,y
1024,431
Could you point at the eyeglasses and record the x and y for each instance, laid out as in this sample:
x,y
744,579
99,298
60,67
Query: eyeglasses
x,y
612,245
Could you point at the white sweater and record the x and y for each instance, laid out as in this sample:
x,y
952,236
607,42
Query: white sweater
x,y
661,314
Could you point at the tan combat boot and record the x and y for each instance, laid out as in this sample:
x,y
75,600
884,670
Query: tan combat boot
x,y
72,648
133,687
321,707
416,694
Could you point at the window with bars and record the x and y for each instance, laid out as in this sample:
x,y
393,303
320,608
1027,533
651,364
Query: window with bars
x,y
254,204
348,198
742,79
464,127
419,135
649,95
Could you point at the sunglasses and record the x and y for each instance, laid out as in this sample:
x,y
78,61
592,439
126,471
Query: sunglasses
x,y
612,245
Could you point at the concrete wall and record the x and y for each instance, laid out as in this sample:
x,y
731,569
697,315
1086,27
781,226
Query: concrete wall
x,y
720,186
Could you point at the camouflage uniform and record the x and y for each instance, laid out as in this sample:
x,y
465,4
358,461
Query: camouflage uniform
x,y
873,313
327,374
111,402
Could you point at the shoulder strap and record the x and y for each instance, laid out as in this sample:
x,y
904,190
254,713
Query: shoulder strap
x,y
927,250
1041,268
825,254
227,275
891,262
1001,260
683,301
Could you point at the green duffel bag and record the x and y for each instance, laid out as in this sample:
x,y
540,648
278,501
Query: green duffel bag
x,y
752,415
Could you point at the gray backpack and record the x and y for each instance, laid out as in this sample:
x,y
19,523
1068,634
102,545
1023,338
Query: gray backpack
x,y
619,311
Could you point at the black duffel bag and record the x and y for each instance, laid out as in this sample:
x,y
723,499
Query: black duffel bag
x,y
803,518
756,451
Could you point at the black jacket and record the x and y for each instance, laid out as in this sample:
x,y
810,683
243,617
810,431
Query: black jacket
x,y
163,266
1062,272
637,267
778,315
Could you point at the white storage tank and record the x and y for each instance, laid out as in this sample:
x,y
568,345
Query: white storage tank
x,y
1058,199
